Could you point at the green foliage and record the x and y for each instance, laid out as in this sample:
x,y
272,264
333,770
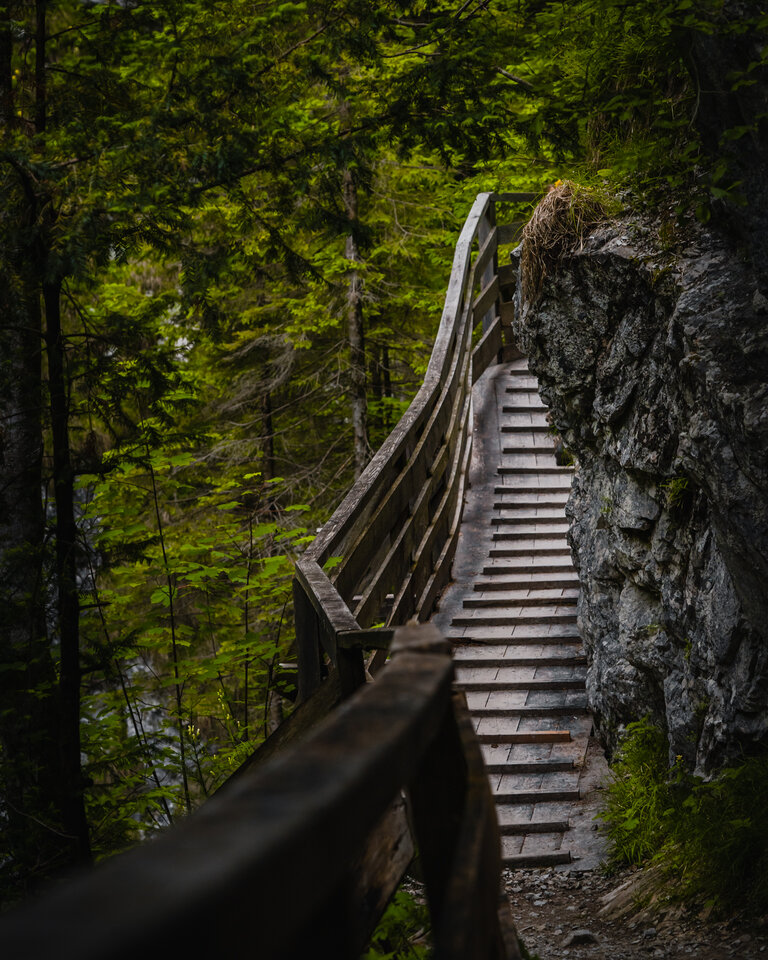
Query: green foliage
x,y
639,795
677,489
711,836
401,932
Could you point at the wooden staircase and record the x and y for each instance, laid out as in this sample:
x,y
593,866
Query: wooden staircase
x,y
511,615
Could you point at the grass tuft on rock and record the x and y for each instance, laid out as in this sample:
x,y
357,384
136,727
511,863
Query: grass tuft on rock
x,y
560,224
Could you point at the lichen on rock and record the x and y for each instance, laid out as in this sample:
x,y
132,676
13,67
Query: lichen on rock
x,y
655,367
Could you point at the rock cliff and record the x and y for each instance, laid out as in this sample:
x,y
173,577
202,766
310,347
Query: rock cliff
x,y
655,367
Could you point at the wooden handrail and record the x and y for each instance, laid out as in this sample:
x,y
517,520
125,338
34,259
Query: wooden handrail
x,y
279,862
394,534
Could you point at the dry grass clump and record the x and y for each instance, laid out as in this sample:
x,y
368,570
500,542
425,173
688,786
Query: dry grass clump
x,y
560,224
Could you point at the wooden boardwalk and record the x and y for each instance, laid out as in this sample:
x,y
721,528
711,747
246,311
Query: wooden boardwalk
x,y
511,614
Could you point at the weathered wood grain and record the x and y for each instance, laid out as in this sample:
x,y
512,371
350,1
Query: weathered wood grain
x,y
485,300
442,569
307,642
507,312
515,197
486,252
487,349
375,477
469,927
263,859
378,872
507,275
419,470
422,566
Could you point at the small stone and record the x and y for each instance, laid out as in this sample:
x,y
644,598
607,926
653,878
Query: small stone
x,y
759,302
579,937
649,932
539,903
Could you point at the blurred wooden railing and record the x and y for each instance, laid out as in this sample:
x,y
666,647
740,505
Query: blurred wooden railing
x,y
297,858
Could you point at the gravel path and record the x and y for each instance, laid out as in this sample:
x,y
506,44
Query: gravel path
x,y
557,912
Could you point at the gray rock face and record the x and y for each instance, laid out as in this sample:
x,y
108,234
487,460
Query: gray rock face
x,y
655,368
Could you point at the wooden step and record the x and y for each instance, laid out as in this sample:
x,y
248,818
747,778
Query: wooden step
x,y
528,448
526,736
538,550
555,583
510,569
530,505
541,427
478,638
544,470
521,407
569,660
546,710
518,600
530,512
515,512
473,686
521,828
523,384
535,796
545,449
525,520
555,534
507,620
531,767
548,484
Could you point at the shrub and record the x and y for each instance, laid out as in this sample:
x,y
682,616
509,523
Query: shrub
x,y
711,836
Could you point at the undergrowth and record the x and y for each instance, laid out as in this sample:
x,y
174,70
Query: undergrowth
x,y
402,932
710,836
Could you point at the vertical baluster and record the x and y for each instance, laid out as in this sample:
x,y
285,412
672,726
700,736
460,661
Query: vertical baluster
x,y
486,225
307,643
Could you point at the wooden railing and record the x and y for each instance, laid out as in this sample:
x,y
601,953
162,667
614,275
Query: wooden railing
x,y
390,544
298,854
296,858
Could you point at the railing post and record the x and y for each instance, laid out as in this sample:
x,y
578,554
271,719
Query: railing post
x,y
484,229
457,834
437,795
351,667
307,643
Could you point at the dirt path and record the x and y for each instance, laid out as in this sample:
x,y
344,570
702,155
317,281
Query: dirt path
x,y
558,915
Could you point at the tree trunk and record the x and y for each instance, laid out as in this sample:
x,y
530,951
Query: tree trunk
x,y
67,594
267,430
355,330
33,821
6,78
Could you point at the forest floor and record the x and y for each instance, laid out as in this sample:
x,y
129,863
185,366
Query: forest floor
x,y
590,915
